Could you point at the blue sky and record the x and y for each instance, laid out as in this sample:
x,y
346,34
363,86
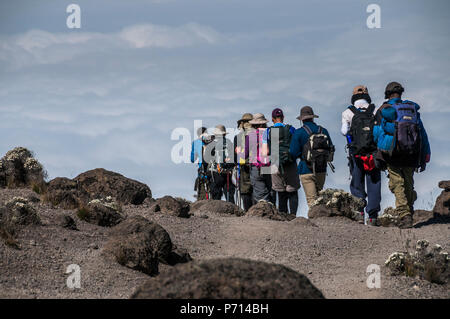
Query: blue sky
x,y
110,94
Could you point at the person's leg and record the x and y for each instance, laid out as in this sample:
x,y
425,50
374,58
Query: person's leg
x,y
216,186
293,202
201,190
357,187
247,201
231,191
309,186
271,194
373,181
259,184
283,202
320,181
397,187
411,195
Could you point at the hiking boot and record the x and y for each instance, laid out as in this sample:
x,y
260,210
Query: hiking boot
x,y
359,217
405,221
372,222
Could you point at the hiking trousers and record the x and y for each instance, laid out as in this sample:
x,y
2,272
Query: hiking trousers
x,y
284,198
220,186
362,180
401,184
261,184
312,185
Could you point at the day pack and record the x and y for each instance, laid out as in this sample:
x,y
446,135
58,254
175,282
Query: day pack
x,y
407,129
361,131
284,141
256,157
317,151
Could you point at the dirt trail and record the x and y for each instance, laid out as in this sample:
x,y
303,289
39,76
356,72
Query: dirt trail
x,y
332,252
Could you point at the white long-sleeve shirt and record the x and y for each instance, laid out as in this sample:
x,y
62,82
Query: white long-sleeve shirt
x,y
347,115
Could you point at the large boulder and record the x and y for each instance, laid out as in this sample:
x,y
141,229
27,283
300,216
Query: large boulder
x,y
229,278
268,210
63,192
102,212
19,168
94,184
427,262
139,244
202,207
99,183
172,206
336,202
442,205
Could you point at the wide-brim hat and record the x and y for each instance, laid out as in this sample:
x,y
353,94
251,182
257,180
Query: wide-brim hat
x,y
258,118
220,130
245,118
306,113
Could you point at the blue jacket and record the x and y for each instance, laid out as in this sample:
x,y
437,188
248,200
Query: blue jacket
x,y
197,151
298,140
426,149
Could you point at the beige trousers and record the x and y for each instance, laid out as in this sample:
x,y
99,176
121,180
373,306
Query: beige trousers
x,y
312,185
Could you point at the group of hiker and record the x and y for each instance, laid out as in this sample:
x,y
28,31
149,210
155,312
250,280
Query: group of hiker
x,y
269,163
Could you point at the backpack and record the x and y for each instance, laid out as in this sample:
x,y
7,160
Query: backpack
x,y
317,151
255,153
361,131
284,142
221,153
384,133
407,130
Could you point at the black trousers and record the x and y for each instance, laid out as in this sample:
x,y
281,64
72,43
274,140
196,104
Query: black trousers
x,y
221,185
284,198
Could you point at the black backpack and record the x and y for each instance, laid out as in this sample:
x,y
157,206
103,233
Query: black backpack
x,y
361,131
317,151
284,138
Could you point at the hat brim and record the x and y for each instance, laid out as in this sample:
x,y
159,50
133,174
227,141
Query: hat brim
x,y
258,122
306,117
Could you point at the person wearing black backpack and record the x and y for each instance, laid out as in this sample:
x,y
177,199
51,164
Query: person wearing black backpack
x,y
312,144
358,121
399,121
285,181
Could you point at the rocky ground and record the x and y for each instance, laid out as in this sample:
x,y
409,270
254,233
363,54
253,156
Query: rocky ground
x,y
333,252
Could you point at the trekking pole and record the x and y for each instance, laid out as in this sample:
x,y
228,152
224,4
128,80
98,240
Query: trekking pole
x,y
331,166
239,185
228,186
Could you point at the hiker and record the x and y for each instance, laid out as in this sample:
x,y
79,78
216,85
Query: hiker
x,y
403,144
312,144
285,181
220,165
258,155
202,182
243,183
358,121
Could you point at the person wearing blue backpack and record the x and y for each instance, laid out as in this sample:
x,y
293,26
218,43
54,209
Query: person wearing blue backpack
x,y
403,144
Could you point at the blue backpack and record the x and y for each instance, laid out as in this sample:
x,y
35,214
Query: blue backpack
x,y
407,129
384,134
399,130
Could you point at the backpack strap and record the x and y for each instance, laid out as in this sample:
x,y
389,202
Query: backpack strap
x,y
320,129
353,109
308,130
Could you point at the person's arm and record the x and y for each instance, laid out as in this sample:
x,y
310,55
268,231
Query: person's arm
x,y
426,148
345,123
193,157
295,148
